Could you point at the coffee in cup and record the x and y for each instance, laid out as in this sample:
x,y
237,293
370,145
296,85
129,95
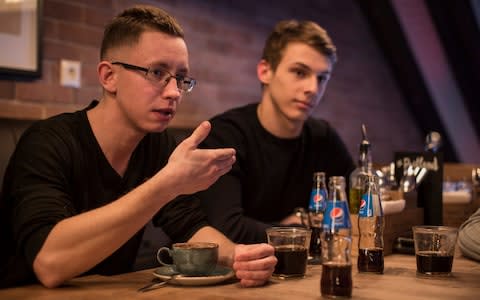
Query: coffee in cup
x,y
191,259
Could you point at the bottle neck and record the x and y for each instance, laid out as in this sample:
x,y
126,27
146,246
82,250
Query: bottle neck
x,y
318,179
365,160
337,189
371,195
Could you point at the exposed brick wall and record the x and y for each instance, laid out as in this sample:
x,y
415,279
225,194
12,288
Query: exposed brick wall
x,y
225,40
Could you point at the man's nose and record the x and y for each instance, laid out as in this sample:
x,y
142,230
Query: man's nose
x,y
171,90
312,85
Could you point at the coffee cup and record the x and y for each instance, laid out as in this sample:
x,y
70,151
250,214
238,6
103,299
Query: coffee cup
x,y
191,259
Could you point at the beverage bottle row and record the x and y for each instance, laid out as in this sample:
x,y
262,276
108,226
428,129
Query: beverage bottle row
x,y
316,209
336,235
357,177
364,199
336,240
370,228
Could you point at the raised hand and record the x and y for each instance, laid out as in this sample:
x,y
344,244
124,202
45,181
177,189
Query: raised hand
x,y
254,264
197,169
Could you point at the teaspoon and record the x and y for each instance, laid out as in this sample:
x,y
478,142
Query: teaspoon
x,y
156,283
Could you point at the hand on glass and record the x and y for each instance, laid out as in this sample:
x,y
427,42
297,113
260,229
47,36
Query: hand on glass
x,y
254,264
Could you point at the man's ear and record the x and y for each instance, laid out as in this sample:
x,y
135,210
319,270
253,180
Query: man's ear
x,y
107,77
264,72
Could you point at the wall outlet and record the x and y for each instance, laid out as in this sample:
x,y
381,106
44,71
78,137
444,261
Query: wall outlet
x,y
70,73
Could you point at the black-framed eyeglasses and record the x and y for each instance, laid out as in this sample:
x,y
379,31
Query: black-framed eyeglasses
x,y
159,74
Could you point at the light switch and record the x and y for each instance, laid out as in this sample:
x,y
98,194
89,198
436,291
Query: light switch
x,y
70,73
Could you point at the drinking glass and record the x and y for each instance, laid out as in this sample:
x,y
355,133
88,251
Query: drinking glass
x,y
434,249
291,249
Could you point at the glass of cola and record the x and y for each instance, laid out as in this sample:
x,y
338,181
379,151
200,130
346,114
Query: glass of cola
x,y
291,250
434,249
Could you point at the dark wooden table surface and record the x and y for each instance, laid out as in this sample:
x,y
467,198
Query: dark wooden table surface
x,y
400,281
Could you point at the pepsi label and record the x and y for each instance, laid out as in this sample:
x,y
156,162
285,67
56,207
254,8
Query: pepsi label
x,y
365,206
317,200
370,206
336,216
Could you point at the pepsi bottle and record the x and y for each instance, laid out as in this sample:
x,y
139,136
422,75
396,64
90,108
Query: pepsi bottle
x,y
316,209
336,239
357,176
370,228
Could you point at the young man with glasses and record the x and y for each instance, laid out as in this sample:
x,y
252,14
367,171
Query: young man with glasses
x,y
81,186
278,144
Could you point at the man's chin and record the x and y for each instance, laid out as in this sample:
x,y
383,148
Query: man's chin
x,y
156,127
159,129
300,117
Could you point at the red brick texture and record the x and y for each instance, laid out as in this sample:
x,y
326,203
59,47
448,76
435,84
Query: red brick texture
x,y
225,40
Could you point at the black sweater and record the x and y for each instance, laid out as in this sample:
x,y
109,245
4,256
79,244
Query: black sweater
x,y
272,176
58,170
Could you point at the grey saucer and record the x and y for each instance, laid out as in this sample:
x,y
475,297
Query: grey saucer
x,y
220,274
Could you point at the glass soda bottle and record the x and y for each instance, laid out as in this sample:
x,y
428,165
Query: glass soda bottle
x,y
357,176
336,240
316,209
370,228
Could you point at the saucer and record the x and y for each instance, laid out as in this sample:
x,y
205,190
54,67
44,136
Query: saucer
x,y
220,274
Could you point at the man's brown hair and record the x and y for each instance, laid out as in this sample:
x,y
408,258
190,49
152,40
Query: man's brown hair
x,y
289,31
126,28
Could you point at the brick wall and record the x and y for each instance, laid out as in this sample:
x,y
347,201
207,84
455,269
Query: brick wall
x,y
225,40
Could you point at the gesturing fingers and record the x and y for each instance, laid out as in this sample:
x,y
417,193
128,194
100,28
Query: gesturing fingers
x,y
220,155
217,161
199,134
200,168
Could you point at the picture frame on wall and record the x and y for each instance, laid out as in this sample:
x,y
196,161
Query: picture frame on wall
x,y
20,39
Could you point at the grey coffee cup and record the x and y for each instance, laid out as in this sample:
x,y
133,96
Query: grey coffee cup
x,y
191,259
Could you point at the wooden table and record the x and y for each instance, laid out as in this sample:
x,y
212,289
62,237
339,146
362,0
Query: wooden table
x,y
399,282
